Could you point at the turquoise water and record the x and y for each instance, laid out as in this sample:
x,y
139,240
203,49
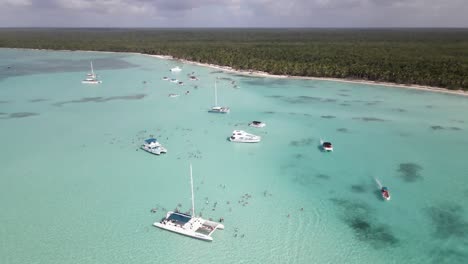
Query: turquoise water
x,y
74,188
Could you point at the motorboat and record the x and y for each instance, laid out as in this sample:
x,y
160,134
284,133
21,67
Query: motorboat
x,y
257,124
326,146
193,78
152,145
385,193
180,83
244,137
174,95
174,80
165,78
176,69
216,108
91,78
189,225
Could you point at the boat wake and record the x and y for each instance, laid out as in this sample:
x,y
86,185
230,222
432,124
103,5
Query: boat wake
x,y
379,184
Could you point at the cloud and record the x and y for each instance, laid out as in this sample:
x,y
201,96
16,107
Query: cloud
x,y
234,13
15,2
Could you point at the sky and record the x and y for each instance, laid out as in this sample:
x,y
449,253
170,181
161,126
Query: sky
x,y
233,13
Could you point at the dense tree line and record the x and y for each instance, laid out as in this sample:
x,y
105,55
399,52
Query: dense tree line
x,y
434,57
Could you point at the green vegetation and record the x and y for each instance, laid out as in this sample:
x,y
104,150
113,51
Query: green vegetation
x,y
434,57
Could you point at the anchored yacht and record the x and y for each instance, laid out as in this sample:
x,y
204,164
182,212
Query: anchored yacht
x,y
216,108
244,137
152,145
257,124
176,69
91,78
189,225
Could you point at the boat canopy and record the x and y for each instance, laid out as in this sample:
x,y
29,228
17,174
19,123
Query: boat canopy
x,y
151,140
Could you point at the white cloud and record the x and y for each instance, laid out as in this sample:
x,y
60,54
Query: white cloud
x,y
15,2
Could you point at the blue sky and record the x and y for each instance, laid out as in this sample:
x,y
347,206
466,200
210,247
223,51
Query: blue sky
x,y
233,13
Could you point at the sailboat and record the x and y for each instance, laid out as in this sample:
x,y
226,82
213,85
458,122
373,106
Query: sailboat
x,y
189,225
91,78
216,108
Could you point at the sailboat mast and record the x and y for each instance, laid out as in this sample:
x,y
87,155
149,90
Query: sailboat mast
x,y
216,94
191,185
92,71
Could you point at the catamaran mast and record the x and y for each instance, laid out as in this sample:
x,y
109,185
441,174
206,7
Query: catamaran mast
x,y
92,71
191,185
216,94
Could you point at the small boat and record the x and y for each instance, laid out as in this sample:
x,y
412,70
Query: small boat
x,y
174,95
180,83
326,146
176,69
385,193
189,225
91,78
165,78
257,124
244,137
216,108
193,78
152,145
174,80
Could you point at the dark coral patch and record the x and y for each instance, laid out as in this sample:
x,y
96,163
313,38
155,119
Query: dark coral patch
x,y
369,119
410,172
448,221
302,142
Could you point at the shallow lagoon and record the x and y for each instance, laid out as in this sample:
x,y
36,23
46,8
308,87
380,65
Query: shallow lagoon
x,y
76,189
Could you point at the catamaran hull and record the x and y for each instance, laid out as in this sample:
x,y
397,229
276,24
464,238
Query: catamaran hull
x,y
91,82
183,232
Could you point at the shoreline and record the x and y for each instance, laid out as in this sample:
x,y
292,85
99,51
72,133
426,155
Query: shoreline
x,y
265,74
355,81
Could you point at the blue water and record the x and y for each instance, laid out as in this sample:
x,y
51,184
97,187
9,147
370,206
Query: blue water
x,y
75,188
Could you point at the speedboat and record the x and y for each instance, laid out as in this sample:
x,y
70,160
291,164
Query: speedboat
x,y
257,124
326,146
174,95
385,193
189,225
244,137
176,69
174,80
152,145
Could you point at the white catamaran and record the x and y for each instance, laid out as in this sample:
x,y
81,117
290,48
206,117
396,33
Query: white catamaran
x,y
189,225
216,108
91,78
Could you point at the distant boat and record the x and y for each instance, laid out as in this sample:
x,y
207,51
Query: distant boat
x,y
174,80
174,95
176,69
216,108
385,193
326,146
257,124
165,78
91,78
189,225
243,137
152,145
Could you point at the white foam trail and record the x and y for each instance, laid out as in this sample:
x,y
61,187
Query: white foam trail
x,y
378,183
